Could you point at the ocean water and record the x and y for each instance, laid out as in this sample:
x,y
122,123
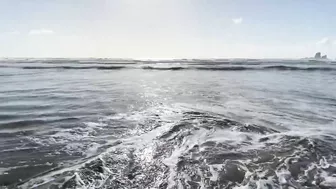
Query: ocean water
x,y
99,123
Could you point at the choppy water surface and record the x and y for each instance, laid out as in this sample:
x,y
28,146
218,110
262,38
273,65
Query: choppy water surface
x,y
190,124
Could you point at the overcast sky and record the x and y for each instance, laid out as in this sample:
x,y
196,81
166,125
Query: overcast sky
x,y
167,28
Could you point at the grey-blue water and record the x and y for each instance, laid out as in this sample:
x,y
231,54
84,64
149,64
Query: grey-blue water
x,y
180,124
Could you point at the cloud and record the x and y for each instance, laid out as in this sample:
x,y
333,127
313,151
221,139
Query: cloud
x,y
324,41
14,32
237,20
41,32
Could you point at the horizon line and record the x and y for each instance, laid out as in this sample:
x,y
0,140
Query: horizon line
x,y
172,58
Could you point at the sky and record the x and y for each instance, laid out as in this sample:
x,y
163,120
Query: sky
x,y
167,28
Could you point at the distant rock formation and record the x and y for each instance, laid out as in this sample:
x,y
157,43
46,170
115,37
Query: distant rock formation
x,y
318,58
318,55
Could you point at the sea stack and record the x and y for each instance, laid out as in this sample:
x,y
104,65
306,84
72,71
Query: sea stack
x,y
318,55
324,57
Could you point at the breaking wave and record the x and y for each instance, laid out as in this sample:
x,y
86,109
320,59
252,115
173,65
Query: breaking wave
x,y
182,148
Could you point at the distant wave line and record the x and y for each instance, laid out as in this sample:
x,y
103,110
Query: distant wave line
x,y
177,68
75,67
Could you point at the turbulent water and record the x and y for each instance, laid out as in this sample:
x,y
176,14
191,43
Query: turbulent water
x,y
99,123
